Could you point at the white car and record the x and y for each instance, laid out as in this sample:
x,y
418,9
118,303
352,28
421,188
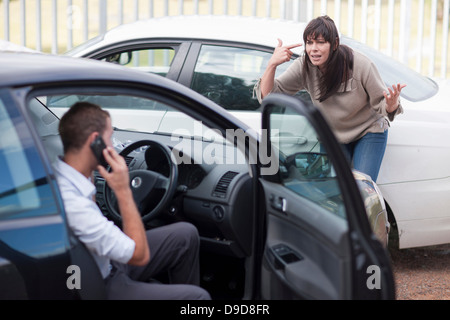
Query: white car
x,y
222,58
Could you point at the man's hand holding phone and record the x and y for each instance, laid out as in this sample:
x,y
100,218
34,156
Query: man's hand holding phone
x,y
118,180
118,177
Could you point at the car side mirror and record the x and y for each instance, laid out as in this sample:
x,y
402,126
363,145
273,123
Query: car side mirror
x,y
125,58
311,165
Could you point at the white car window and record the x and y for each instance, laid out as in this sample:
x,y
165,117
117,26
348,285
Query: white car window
x,y
154,60
227,75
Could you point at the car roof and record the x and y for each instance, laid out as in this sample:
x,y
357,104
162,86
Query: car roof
x,y
23,68
254,30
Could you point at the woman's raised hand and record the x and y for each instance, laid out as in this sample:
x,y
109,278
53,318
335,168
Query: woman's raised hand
x,y
282,54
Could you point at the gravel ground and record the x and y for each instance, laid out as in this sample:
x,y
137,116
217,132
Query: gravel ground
x,y
421,273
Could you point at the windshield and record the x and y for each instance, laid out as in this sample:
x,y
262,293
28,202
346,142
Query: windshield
x,y
418,87
138,114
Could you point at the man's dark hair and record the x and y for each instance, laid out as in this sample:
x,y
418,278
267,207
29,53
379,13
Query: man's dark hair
x,y
339,65
79,122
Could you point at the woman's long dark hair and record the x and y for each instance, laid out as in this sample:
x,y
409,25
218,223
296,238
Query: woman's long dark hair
x,y
339,65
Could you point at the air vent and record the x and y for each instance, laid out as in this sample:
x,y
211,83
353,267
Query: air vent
x,y
128,160
221,188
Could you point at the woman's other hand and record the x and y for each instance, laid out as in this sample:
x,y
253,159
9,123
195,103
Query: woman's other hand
x,y
392,97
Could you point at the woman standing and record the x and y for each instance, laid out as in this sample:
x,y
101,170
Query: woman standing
x,y
345,85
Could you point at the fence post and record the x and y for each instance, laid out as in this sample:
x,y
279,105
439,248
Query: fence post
x,y
38,26
364,5
23,19
445,26
420,36
337,13
102,17
433,37
54,27
69,25
295,10
6,21
268,8
350,21
405,24
390,33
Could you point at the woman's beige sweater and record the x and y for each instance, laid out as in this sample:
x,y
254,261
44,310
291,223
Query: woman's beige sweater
x,y
352,111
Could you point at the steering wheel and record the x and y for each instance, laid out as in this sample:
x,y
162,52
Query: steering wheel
x,y
152,191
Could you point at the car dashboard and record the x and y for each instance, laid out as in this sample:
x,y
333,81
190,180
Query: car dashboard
x,y
211,195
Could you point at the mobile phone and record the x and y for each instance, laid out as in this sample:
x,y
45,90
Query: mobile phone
x,y
97,147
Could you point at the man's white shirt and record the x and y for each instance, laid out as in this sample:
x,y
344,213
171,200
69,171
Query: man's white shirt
x,y
100,235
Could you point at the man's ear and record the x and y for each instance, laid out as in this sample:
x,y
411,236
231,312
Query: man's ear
x,y
92,137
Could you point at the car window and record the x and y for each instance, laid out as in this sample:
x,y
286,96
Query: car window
x,y
227,75
154,60
24,188
304,164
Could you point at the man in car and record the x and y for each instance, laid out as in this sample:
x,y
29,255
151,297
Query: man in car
x,y
127,259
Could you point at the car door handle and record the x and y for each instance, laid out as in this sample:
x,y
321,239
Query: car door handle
x,y
278,203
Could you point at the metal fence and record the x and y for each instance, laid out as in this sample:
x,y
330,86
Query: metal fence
x,y
413,31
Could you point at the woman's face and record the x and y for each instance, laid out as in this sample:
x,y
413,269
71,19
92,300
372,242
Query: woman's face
x,y
318,51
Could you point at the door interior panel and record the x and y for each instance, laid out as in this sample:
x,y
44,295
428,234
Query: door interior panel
x,y
307,249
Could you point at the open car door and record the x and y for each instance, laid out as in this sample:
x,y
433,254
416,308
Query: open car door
x,y
319,242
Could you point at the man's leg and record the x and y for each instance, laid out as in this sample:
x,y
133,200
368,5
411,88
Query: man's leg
x,y
119,286
173,248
